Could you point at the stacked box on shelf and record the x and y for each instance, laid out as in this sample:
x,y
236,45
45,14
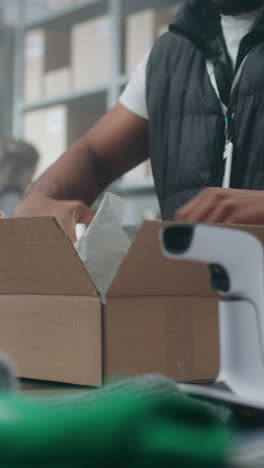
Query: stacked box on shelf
x,y
57,79
46,64
57,82
142,30
91,53
47,130
34,64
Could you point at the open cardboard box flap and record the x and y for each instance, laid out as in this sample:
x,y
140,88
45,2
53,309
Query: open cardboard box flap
x,y
37,258
145,271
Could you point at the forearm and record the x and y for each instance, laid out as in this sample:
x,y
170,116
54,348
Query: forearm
x,y
118,142
77,175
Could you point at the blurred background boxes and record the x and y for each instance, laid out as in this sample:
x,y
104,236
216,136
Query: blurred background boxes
x,y
57,82
47,130
46,52
91,57
79,58
58,61
57,49
34,64
142,30
57,77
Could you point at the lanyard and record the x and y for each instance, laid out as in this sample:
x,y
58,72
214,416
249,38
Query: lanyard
x,y
229,145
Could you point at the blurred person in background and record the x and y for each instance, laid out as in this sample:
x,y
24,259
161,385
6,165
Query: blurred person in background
x,y
18,161
199,92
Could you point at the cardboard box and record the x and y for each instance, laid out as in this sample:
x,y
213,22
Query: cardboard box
x,y
159,315
46,51
142,30
46,129
34,64
57,49
91,56
57,82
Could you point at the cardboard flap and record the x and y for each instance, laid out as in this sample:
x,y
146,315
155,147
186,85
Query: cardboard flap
x,y
36,257
146,272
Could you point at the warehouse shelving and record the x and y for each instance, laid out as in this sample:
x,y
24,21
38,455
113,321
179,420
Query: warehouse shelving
x,y
76,13
66,18
70,15
64,99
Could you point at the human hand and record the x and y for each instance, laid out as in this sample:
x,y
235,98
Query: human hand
x,y
219,205
67,212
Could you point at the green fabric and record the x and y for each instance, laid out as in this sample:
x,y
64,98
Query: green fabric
x,y
124,431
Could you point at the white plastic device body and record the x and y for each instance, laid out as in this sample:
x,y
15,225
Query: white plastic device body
x,y
241,311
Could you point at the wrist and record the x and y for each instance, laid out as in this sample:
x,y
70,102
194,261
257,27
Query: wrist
x,y
34,203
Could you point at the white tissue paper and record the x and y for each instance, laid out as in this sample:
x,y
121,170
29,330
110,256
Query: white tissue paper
x,y
105,243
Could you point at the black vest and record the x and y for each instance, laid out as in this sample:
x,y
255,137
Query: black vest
x,y
186,122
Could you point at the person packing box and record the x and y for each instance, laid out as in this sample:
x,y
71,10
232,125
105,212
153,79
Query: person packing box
x,y
193,105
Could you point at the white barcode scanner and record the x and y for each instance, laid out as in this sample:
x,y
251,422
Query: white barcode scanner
x,y
236,262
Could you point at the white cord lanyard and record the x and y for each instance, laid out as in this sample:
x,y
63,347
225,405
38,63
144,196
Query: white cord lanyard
x,y
229,145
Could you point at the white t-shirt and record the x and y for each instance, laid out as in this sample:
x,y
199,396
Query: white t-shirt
x,y
234,29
